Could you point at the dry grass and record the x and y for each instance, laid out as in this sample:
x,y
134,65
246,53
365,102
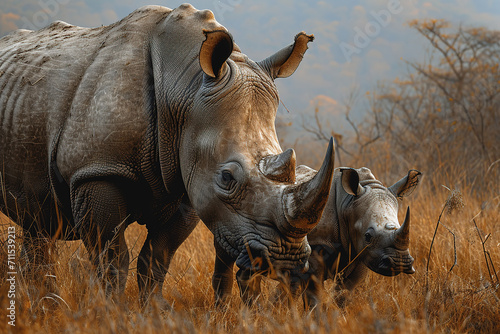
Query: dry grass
x,y
467,299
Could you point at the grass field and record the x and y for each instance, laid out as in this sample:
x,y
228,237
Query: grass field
x,y
465,299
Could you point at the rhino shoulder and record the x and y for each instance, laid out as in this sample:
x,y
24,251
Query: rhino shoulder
x,y
144,14
59,25
153,8
14,37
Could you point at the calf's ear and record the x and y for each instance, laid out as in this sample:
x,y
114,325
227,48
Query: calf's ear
x,y
350,181
283,63
214,52
406,185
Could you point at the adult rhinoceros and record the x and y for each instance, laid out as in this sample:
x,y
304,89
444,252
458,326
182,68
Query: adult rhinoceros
x,y
158,118
359,229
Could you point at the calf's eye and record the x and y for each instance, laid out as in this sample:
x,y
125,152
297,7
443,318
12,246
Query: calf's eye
x,y
368,237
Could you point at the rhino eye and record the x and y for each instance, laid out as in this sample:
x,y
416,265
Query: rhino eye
x,y
368,237
226,179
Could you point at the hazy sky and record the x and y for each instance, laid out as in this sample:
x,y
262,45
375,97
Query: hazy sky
x,y
357,42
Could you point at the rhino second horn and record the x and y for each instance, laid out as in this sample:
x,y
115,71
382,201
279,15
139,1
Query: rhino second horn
x,y
402,234
303,203
280,167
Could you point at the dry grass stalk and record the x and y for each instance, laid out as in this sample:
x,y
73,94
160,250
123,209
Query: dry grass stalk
x,y
487,257
453,202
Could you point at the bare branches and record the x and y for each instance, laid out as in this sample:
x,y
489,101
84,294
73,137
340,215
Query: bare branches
x,y
443,115
321,134
467,77
317,129
487,258
445,112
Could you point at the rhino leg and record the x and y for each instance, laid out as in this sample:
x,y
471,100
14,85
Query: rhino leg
x,y
291,286
37,251
160,246
310,284
249,285
311,295
343,286
99,208
222,280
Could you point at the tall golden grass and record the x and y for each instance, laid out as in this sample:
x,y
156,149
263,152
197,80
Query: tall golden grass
x,y
465,299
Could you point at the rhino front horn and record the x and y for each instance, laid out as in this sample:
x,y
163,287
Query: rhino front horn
x,y
303,203
402,234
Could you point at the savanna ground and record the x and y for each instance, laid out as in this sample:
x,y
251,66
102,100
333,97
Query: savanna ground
x,y
443,120
465,299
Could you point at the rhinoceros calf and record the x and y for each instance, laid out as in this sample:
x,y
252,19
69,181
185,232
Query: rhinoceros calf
x,y
359,229
160,119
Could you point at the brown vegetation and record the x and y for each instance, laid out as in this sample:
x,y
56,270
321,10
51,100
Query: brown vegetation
x,y
465,299
442,120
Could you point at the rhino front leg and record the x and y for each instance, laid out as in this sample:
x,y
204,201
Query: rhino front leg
x,y
222,280
249,285
160,246
312,292
38,251
347,284
100,209
311,283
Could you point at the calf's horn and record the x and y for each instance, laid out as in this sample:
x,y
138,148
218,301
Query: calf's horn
x,y
402,234
303,203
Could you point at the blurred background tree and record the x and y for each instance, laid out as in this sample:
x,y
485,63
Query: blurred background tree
x,y
442,117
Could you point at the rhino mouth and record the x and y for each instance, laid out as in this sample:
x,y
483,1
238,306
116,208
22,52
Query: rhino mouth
x,y
262,261
267,252
395,264
254,261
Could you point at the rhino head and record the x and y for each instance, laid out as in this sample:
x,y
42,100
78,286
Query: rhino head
x,y
235,174
370,212
241,183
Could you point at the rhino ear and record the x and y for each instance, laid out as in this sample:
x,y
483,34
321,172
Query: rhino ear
x,y
214,52
406,185
283,63
350,181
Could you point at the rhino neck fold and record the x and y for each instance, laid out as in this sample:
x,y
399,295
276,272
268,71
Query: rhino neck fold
x,y
342,200
175,83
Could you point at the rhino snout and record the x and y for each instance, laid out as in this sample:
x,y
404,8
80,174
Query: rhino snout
x,y
253,259
392,265
262,259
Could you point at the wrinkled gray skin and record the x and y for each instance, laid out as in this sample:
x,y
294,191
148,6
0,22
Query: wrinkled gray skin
x,y
160,119
360,218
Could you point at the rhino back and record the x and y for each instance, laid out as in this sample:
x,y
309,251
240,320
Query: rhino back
x,y
86,84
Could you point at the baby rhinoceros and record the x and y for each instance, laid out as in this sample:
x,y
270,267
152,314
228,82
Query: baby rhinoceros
x,y
359,229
